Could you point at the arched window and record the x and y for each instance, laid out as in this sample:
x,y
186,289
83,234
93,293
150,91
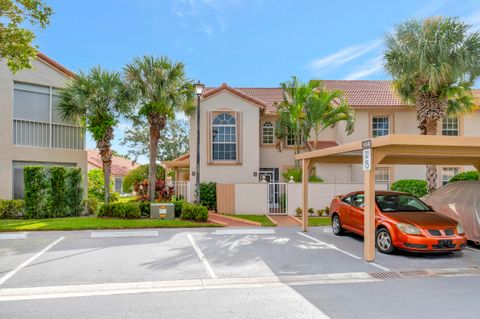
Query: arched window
x,y
267,133
224,138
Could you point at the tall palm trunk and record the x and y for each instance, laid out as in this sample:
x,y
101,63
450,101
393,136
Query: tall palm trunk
x,y
429,111
157,123
104,146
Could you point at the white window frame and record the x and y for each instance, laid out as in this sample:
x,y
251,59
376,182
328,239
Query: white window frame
x,y
213,126
451,124
385,171
271,135
376,130
448,173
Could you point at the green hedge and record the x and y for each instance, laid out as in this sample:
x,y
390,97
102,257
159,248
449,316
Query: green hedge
x,y
208,195
120,210
139,174
195,212
54,191
11,208
416,187
92,206
466,176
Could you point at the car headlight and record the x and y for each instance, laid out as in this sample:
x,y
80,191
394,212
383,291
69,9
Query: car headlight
x,y
460,229
408,229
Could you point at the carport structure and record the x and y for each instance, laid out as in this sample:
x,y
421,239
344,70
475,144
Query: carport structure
x,y
397,149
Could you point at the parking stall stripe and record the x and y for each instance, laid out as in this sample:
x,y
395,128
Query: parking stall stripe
x,y
29,261
202,257
342,251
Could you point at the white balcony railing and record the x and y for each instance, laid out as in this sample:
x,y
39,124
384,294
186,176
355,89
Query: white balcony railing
x,y
40,134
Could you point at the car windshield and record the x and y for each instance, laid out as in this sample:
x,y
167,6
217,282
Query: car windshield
x,y
400,203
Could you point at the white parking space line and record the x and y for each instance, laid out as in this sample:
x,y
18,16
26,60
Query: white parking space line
x,y
342,251
202,257
119,234
14,236
244,231
29,261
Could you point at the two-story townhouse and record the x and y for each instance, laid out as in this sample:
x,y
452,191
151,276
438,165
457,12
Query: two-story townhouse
x,y
238,144
31,130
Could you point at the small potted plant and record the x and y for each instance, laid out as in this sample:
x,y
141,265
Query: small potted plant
x,y
326,211
299,212
311,211
320,212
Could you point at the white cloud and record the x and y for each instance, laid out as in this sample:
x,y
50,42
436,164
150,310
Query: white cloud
x,y
372,66
342,56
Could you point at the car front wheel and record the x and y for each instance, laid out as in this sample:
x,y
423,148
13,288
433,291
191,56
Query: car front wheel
x,y
337,225
383,241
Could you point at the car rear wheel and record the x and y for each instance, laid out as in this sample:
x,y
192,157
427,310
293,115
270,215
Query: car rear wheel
x,y
337,225
383,241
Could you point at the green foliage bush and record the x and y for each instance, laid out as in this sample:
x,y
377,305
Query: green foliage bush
x,y
54,191
139,174
466,176
75,191
416,187
120,210
296,173
95,186
57,199
144,209
208,195
35,191
195,212
178,207
92,206
11,208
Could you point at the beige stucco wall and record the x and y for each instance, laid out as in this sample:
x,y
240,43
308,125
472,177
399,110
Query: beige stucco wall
x,y
251,198
42,74
249,141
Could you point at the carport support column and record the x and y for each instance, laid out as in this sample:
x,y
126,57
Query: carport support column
x,y
305,168
369,211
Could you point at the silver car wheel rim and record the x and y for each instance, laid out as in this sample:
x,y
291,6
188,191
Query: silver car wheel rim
x,y
384,241
336,224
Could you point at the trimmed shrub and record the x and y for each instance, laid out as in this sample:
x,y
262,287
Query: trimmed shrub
x,y
208,195
466,176
92,206
315,179
178,207
75,193
120,210
139,174
144,209
296,173
11,208
35,191
195,212
415,187
57,199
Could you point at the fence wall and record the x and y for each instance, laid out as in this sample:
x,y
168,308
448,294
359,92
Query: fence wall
x,y
226,198
251,198
321,194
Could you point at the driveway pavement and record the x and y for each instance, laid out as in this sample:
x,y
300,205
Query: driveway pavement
x,y
232,272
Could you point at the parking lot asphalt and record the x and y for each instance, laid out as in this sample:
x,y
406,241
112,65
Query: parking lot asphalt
x,y
259,267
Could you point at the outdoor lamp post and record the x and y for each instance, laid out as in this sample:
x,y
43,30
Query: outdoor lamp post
x,y
198,91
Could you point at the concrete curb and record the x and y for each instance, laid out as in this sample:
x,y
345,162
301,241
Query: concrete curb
x,y
296,219
240,220
273,222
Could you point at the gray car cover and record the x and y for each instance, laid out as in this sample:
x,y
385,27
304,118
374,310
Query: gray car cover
x,y
460,201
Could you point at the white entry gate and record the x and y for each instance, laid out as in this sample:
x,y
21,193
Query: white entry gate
x,y
277,198
181,190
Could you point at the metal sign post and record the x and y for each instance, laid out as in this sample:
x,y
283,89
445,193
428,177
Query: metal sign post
x,y
369,199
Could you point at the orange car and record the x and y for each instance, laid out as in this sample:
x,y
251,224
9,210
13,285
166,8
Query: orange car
x,y
402,221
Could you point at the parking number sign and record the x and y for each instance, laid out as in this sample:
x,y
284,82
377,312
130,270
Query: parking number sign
x,y
367,159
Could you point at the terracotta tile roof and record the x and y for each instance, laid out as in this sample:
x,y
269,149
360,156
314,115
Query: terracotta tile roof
x,y
212,91
476,96
120,165
321,144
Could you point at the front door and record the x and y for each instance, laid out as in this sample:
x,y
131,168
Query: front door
x,y
270,175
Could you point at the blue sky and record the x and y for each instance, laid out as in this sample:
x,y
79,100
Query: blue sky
x,y
241,42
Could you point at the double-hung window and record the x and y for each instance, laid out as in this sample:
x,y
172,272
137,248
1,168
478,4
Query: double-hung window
x,y
448,173
267,133
380,126
450,126
382,175
224,138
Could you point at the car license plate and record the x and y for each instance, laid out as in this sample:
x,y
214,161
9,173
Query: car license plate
x,y
447,243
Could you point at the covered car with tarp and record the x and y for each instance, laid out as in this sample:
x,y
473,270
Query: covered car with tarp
x,y
460,201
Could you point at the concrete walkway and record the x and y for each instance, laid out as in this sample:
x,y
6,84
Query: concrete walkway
x,y
285,221
225,221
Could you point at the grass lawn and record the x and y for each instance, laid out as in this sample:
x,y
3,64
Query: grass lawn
x,y
319,221
126,199
79,223
262,219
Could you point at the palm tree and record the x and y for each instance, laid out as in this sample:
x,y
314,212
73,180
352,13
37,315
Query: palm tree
x,y
434,64
161,89
310,106
97,100
324,108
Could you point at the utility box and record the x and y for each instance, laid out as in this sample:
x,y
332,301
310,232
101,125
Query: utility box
x,y
162,211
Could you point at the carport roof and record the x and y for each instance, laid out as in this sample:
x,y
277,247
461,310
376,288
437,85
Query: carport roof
x,y
405,149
